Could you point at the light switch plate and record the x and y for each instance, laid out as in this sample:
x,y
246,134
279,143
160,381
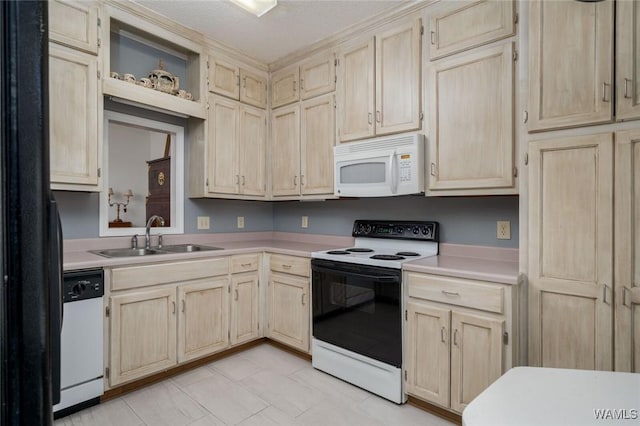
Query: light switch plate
x,y
305,222
503,230
240,221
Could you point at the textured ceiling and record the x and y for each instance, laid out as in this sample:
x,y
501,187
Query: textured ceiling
x,y
291,26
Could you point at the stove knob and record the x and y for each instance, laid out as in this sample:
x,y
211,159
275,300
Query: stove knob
x,y
360,229
415,230
399,230
426,231
368,229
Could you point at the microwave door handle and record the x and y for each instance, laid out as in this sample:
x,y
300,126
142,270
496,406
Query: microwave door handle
x,y
393,183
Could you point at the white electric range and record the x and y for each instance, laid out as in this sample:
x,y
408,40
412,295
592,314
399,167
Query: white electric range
x,y
357,303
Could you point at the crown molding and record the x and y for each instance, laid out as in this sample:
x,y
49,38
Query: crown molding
x,y
357,30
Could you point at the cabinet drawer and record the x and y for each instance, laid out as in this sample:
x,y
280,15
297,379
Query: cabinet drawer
x,y
146,275
455,291
244,263
290,265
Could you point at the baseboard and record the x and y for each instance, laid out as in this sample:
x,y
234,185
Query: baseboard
x,y
435,410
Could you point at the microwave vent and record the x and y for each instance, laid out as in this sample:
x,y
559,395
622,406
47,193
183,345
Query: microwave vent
x,y
378,144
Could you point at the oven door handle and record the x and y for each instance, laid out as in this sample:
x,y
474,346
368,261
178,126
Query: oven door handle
x,y
375,278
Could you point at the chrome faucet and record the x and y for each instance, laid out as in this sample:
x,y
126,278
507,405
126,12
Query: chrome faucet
x,y
147,237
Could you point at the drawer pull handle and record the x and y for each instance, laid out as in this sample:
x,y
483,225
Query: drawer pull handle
x,y
451,293
245,265
286,266
455,337
443,333
236,294
302,299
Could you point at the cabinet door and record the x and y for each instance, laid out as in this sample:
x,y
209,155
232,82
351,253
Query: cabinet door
x,y
204,318
142,334
284,87
462,25
254,89
570,254
285,150
75,24
476,356
627,251
289,310
252,150
628,60
222,176
244,307
398,79
317,77
471,116
570,63
224,78
73,117
316,145
356,100
428,358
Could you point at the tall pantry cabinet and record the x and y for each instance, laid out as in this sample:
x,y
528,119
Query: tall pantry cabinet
x,y
583,220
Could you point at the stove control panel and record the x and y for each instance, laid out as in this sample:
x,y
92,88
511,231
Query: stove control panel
x,y
402,230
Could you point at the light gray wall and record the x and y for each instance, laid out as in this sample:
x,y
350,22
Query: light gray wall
x,y
463,220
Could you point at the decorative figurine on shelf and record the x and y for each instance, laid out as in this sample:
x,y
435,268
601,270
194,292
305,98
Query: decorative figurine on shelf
x,y
163,80
117,222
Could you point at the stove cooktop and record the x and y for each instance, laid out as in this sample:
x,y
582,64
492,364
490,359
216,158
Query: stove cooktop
x,y
387,244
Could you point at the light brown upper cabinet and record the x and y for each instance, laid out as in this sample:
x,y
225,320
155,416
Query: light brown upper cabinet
x,y
318,76
302,141
628,60
312,77
379,83
471,116
627,251
75,24
284,86
570,63
233,81
236,148
74,109
463,25
570,255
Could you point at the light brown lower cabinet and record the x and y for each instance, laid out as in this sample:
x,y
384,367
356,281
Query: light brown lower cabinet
x,y
289,301
460,337
167,322
245,305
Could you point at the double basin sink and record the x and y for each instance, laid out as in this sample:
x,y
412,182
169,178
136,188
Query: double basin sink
x,y
176,248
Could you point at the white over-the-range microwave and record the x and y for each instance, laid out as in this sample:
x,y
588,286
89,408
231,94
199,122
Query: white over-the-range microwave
x,y
381,167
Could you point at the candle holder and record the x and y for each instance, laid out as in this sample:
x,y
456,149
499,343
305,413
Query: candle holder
x,y
119,205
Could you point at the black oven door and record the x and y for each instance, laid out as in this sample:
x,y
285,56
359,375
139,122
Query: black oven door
x,y
357,307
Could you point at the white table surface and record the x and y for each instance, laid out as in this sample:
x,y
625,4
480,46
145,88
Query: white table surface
x,y
526,396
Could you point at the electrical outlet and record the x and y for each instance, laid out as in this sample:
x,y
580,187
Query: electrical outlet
x,y
240,221
305,222
503,230
203,222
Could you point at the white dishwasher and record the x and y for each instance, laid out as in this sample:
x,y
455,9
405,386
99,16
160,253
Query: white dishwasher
x,y
81,345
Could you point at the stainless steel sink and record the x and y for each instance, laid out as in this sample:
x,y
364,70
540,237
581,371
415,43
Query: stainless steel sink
x,y
186,248
126,252
176,248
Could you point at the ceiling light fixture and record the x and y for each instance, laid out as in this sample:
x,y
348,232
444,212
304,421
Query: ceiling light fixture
x,y
257,7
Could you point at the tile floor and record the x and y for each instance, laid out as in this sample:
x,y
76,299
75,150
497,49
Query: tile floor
x,y
262,386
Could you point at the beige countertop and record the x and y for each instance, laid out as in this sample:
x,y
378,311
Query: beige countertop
x,y
473,262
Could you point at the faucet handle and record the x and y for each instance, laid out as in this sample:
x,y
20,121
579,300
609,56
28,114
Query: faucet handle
x,y
134,241
159,240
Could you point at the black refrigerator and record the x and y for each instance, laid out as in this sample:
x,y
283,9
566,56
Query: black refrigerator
x,y
30,271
